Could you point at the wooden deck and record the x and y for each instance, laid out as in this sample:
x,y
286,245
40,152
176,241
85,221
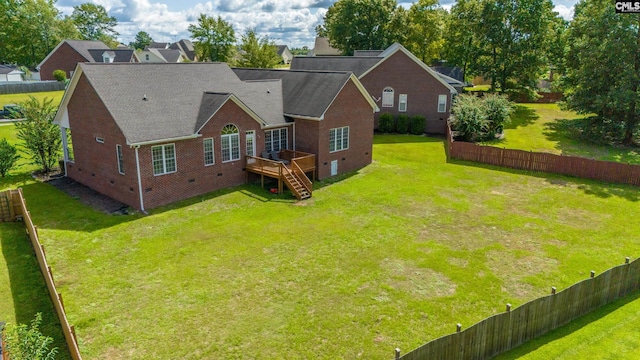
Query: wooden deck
x,y
292,174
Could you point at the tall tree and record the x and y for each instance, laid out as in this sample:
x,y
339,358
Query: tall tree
x,y
426,28
461,42
215,39
142,40
41,137
603,66
257,51
93,22
30,29
364,25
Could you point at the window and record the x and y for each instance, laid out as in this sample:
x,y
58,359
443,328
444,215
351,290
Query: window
x,y
230,140
146,57
120,160
275,140
402,102
250,138
442,103
339,139
100,140
164,159
209,159
387,97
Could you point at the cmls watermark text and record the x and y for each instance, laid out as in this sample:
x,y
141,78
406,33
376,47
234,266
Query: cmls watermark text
x,y
628,6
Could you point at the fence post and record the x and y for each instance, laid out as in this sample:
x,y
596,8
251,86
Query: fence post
x,y
397,352
593,274
626,260
458,327
508,307
553,290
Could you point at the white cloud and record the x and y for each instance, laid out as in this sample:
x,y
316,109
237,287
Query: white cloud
x,y
564,11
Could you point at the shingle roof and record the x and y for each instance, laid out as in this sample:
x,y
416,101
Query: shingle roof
x,y
357,65
6,69
158,101
322,48
306,93
367,52
157,45
186,46
121,55
83,47
281,49
171,55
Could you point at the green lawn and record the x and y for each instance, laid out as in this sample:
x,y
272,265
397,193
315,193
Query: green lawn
x,y
546,128
392,256
610,332
18,98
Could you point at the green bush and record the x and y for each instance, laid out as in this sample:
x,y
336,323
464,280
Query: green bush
x,y
402,124
416,125
60,75
8,157
26,342
386,123
497,110
469,118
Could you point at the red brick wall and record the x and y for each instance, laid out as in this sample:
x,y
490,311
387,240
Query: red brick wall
x,y
65,58
95,164
351,109
406,77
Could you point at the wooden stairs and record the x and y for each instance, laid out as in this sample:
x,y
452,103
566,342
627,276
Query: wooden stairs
x,y
298,183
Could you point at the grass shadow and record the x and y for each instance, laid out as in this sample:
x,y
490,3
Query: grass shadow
x,y
589,187
567,329
28,290
522,116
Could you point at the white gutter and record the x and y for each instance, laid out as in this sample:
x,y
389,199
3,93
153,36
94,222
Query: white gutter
x,y
302,117
151,142
139,180
293,127
65,148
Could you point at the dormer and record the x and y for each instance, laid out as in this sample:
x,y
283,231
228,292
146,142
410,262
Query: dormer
x,y
108,56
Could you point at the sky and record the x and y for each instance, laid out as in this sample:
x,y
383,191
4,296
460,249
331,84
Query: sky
x,y
287,22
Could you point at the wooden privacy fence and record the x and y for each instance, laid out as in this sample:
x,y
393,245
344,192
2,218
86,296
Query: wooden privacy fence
x,y
607,171
19,211
503,332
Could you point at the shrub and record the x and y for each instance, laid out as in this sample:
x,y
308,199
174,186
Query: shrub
x,y
416,125
497,110
27,342
60,75
402,124
469,117
386,123
8,157
41,137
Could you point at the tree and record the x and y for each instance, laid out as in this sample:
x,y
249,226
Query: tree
x,y
28,343
93,22
364,25
257,51
142,40
215,39
41,137
504,40
426,28
603,67
30,29
8,157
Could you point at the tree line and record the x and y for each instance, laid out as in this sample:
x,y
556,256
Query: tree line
x,y
513,43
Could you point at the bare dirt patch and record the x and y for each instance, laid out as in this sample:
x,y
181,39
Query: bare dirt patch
x,y
418,281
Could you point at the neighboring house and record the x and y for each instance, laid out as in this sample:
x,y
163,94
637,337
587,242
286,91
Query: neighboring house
x,y
397,79
154,55
68,53
149,140
323,48
186,47
10,73
285,54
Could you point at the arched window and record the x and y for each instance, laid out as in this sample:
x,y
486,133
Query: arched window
x,y
387,97
230,141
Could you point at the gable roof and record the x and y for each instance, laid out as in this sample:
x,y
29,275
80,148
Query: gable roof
x,y
281,49
157,45
120,55
306,94
6,69
170,55
362,65
323,48
357,65
186,46
149,108
80,46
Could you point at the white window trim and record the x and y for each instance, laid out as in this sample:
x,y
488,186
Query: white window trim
x,y
213,153
230,137
99,140
336,142
268,144
250,134
442,100
402,100
164,160
389,101
120,159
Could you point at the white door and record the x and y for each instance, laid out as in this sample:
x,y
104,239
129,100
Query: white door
x,y
334,167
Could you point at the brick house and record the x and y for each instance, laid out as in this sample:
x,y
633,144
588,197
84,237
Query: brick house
x,y
68,53
397,79
151,134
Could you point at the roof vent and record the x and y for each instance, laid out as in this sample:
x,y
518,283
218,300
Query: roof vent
x,y
144,97
268,91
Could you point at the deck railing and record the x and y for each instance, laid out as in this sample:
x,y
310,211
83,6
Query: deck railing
x,y
264,165
302,177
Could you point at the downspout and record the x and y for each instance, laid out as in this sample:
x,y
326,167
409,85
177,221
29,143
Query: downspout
x,y
139,181
294,135
65,148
